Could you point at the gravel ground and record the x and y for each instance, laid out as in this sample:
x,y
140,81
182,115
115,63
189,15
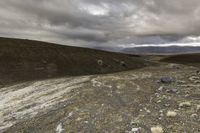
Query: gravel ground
x,y
126,102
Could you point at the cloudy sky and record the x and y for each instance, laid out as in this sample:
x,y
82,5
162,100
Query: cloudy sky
x,y
96,23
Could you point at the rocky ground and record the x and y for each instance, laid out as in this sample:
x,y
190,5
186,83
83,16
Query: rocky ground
x,y
154,99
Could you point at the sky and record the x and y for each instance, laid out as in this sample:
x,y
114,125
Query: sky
x,y
96,23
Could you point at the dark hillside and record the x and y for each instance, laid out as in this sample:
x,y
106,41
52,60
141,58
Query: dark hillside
x,y
26,60
190,59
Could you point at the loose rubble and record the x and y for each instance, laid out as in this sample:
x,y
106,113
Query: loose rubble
x,y
171,114
185,104
167,80
198,107
135,130
100,62
130,102
157,129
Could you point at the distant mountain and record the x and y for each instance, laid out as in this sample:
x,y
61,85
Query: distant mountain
x,y
155,44
161,50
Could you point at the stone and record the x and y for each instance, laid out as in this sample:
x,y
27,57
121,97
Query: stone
x,y
148,111
157,129
197,81
194,116
175,66
135,130
123,64
159,101
172,90
59,128
181,82
185,104
167,89
100,62
193,78
161,88
167,80
167,105
198,107
171,114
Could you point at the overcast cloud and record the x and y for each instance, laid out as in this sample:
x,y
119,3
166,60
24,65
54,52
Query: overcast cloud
x,y
98,22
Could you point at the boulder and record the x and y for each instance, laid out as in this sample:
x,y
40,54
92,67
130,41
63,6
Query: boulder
x,y
167,80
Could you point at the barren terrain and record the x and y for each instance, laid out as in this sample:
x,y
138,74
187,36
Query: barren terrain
x,y
141,95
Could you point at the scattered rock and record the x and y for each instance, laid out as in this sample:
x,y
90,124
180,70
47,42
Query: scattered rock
x,y
86,122
171,114
181,82
185,104
175,66
135,130
193,78
161,88
194,116
161,113
187,92
148,111
198,107
59,128
159,101
167,89
197,81
167,80
100,62
157,129
195,96
122,63
172,91
145,109
167,105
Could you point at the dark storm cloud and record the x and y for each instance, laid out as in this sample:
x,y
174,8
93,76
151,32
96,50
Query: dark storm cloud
x,y
92,22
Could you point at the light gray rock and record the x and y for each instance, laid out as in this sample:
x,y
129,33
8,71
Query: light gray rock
x,y
157,129
171,114
185,104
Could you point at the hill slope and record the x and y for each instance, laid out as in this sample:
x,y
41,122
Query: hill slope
x,y
187,59
26,60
